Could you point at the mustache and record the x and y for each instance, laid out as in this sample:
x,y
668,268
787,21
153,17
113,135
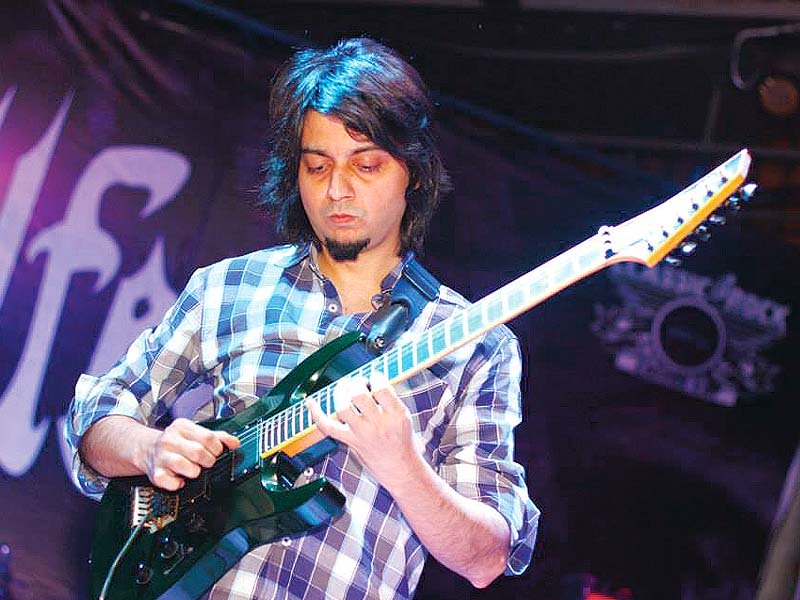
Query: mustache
x,y
343,209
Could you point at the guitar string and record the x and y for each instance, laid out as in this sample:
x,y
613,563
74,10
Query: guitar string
x,y
299,413
392,357
469,320
256,431
479,311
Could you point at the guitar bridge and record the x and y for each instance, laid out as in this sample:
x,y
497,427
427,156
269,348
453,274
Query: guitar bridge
x,y
154,508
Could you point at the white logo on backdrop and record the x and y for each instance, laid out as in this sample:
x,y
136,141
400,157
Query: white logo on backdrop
x,y
76,244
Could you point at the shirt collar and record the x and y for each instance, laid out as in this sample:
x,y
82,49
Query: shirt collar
x,y
299,252
292,255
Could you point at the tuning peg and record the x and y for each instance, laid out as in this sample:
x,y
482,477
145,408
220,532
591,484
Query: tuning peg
x,y
716,219
746,191
703,234
688,247
734,203
672,261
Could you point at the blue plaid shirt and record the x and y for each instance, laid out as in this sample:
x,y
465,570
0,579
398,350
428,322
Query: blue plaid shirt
x,y
241,325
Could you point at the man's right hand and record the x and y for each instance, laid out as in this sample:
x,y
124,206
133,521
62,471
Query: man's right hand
x,y
119,446
182,450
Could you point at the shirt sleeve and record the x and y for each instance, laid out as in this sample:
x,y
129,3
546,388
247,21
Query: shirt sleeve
x,y
159,365
478,444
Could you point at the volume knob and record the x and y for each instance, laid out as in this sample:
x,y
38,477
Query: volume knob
x,y
169,547
143,574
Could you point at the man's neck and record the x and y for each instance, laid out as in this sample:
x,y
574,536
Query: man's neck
x,y
357,281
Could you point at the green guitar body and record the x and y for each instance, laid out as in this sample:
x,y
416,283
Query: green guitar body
x,y
220,519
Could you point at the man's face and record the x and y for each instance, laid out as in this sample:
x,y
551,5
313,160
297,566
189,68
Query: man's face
x,y
352,190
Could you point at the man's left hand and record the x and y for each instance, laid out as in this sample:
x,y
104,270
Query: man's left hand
x,y
375,423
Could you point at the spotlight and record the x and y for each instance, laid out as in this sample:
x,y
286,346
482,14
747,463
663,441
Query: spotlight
x,y
779,95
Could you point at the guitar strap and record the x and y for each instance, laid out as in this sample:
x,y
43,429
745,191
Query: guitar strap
x,y
415,288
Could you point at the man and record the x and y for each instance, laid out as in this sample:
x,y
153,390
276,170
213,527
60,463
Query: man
x,y
353,177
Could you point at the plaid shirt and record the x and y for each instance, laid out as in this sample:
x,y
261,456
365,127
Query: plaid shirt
x,y
245,322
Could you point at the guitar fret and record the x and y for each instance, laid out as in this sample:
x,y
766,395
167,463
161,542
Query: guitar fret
x,y
391,370
407,358
494,310
296,420
476,320
564,271
456,329
587,259
538,288
516,298
422,349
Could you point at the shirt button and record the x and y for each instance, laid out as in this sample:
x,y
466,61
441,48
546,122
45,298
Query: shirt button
x,y
308,473
286,541
332,307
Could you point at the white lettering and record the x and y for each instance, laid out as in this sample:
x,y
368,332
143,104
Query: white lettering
x,y
76,245
139,302
23,191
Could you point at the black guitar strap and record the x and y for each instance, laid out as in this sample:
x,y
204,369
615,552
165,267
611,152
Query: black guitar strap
x,y
415,288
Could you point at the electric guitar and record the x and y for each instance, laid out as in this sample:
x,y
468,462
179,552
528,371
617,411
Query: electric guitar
x,y
151,543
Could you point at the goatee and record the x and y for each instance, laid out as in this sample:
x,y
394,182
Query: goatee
x,y
345,251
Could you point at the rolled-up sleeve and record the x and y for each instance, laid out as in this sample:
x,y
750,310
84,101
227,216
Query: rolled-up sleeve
x,y
158,366
478,445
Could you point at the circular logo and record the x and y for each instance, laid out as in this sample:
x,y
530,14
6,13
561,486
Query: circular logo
x,y
688,335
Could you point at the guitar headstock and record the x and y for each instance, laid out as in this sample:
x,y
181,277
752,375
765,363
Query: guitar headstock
x,y
682,220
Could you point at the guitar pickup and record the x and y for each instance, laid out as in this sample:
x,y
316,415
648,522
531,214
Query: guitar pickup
x,y
154,508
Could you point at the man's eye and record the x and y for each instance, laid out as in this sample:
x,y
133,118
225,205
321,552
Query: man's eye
x,y
315,168
368,168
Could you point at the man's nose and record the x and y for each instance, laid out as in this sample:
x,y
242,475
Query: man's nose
x,y
339,186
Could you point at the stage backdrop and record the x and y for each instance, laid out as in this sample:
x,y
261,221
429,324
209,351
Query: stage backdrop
x,y
130,148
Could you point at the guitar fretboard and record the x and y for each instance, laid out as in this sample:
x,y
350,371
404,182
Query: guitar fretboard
x,y
411,355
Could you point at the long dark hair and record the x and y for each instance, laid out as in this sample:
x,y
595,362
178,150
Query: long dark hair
x,y
373,91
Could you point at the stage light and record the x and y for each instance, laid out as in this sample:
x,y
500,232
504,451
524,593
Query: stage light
x,y
779,95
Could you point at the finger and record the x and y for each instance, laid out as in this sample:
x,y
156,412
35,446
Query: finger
x,y
382,391
347,388
344,392
364,404
167,480
196,452
169,470
209,439
214,441
378,381
180,466
231,442
325,424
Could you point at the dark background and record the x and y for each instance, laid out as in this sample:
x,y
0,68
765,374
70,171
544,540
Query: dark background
x,y
553,120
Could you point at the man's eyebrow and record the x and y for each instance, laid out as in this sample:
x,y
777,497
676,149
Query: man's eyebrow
x,y
320,152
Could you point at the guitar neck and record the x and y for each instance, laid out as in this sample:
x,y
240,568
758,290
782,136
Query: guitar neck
x,y
410,356
646,239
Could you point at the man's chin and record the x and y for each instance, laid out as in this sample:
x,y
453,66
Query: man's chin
x,y
345,251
